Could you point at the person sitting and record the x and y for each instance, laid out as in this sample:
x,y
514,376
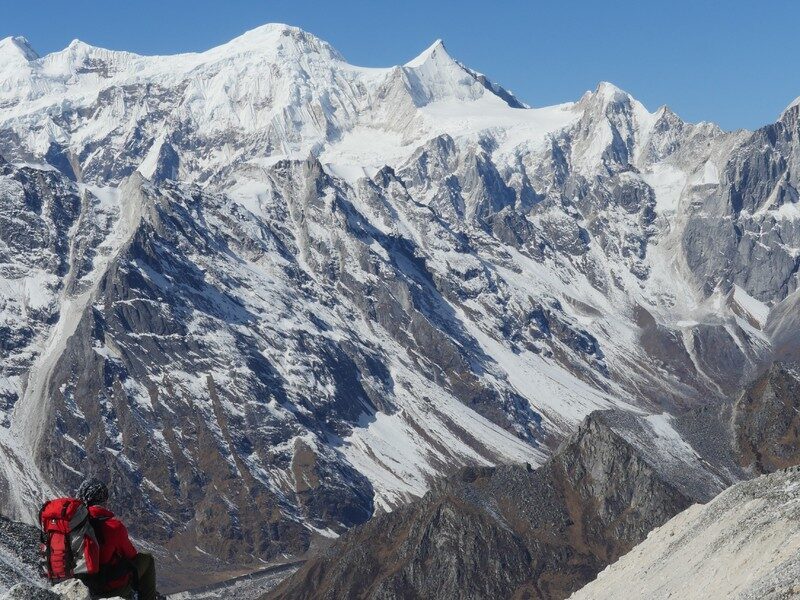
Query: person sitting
x,y
123,570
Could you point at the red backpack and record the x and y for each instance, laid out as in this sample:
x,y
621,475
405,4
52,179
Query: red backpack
x,y
69,543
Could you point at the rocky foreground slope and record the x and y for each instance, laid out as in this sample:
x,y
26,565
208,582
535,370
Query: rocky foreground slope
x,y
503,532
743,545
19,556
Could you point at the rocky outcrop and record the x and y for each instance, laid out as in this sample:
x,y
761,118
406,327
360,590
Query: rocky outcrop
x,y
758,195
71,589
19,556
503,532
743,545
766,421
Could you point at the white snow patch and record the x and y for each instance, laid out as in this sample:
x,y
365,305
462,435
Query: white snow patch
x,y
668,183
755,308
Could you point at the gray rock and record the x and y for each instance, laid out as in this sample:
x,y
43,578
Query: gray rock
x,y
766,421
24,591
502,532
19,555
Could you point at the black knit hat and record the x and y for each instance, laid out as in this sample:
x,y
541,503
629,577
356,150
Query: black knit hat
x,y
93,491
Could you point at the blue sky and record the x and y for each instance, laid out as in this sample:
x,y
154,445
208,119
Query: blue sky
x,y
733,62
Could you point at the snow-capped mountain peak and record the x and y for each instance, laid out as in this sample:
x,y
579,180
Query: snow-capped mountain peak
x,y
16,48
435,64
277,41
611,93
607,96
792,105
435,51
435,76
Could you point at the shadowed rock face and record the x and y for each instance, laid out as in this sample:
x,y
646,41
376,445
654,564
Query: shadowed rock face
x,y
505,532
766,421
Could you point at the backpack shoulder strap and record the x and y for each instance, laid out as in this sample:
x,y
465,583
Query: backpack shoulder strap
x,y
97,526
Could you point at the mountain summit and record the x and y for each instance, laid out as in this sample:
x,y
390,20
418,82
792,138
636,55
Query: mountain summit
x,y
17,47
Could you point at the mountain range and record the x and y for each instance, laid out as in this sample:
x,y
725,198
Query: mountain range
x,y
269,295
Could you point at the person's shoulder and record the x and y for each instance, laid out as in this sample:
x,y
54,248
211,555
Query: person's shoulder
x,y
100,512
115,523
105,517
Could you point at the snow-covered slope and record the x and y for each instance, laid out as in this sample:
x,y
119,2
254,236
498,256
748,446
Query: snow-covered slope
x,y
743,545
274,91
259,280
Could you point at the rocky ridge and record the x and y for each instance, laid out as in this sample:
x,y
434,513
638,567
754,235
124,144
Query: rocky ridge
x,y
742,545
503,532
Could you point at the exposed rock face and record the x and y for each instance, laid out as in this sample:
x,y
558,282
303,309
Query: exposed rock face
x,y
503,532
39,210
766,420
758,189
743,545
